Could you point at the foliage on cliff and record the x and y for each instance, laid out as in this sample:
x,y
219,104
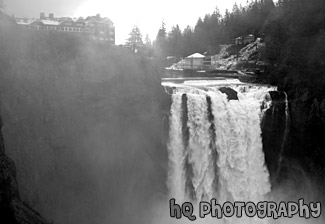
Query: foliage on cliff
x,y
295,42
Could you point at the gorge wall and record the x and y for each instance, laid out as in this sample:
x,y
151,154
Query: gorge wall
x,y
13,209
306,143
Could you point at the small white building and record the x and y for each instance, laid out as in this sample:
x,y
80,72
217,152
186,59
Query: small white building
x,y
194,61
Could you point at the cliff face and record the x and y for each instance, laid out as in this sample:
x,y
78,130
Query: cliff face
x,y
307,142
13,210
295,150
6,183
294,144
274,127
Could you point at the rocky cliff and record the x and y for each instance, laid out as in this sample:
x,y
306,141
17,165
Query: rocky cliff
x,y
12,209
306,144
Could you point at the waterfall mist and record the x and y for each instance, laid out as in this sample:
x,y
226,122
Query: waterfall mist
x,y
83,122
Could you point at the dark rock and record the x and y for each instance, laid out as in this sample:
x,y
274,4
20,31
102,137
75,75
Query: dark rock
x,y
2,148
231,94
12,209
322,107
24,214
277,96
304,146
274,137
307,132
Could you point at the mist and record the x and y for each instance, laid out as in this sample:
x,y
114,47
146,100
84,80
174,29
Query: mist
x,y
83,123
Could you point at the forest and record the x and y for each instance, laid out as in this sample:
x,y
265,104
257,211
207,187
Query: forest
x,y
293,32
263,18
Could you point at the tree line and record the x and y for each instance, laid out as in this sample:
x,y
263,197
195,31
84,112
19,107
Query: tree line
x,y
293,31
212,30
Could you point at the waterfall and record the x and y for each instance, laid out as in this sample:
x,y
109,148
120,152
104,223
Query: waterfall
x,y
215,146
176,150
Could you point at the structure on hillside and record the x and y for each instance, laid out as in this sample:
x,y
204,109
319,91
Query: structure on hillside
x,y
95,27
244,40
194,62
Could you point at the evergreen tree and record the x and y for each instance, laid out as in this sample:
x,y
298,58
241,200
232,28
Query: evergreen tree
x,y
148,48
214,30
267,7
188,45
174,42
278,21
135,40
160,44
200,36
147,41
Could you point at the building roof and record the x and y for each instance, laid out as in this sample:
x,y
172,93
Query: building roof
x,y
196,55
25,21
50,22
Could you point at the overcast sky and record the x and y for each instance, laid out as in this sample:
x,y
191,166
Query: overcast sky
x,y
146,14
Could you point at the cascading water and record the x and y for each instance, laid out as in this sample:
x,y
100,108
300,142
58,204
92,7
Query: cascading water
x,y
215,146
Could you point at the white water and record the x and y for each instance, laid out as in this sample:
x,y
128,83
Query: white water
x,y
230,166
176,152
200,153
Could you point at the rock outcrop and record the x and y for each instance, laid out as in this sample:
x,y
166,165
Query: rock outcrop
x,y
294,144
307,145
231,94
275,133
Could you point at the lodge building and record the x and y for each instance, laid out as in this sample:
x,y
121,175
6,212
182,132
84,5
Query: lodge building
x,y
94,27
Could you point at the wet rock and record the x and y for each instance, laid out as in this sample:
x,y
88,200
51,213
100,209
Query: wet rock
x,y
277,96
305,143
273,133
322,106
231,94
